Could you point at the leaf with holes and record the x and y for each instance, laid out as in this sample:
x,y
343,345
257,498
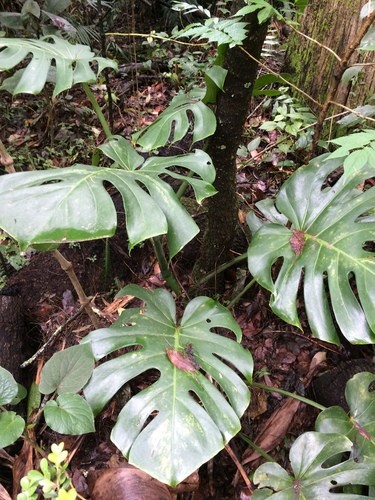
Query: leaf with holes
x,y
175,121
359,425
315,237
314,475
191,418
72,204
72,64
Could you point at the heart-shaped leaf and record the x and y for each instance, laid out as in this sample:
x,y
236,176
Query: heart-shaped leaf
x,y
8,387
72,204
320,233
193,419
72,64
11,428
69,414
359,425
68,370
313,475
174,123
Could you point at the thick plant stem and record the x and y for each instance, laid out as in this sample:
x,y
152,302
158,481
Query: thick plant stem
x,y
242,292
223,267
289,395
97,110
164,267
67,266
255,447
231,113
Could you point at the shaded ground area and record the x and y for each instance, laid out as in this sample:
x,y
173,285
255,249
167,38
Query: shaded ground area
x,y
284,356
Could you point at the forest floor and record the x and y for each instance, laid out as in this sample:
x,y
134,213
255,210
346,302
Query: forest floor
x,y
39,136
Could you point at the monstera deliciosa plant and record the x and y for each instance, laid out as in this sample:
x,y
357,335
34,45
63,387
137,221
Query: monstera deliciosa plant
x,y
313,237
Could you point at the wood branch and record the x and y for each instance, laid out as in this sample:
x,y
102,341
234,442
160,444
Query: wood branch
x,y
337,76
5,159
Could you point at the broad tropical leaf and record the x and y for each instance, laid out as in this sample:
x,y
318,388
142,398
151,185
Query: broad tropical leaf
x,y
11,427
192,418
174,123
8,387
72,64
69,414
359,425
320,232
72,204
314,476
67,371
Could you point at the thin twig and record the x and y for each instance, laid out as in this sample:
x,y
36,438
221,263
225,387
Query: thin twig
x,y
316,41
6,159
337,76
281,77
52,338
241,470
82,297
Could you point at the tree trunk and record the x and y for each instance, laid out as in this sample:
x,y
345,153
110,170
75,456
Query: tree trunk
x,y
12,330
333,23
231,113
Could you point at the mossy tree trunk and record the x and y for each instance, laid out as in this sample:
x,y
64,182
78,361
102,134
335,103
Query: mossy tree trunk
x,y
333,23
232,109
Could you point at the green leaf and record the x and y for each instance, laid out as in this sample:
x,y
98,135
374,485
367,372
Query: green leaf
x,y
215,30
56,6
174,123
356,140
11,20
359,425
350,73
322,250
69,414
312,474
269,126
72,204
30,7
11,428
68,370
217,75
8,387
194,419
21,394
72,63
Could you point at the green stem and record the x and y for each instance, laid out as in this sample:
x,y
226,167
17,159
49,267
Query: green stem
x,y
289,395
97,110
222,268
181,190
242,292
164,268
255,447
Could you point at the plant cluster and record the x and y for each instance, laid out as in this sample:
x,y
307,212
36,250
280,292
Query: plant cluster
x,y
312,238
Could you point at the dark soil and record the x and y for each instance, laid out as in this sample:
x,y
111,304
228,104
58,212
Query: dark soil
x,y
282,354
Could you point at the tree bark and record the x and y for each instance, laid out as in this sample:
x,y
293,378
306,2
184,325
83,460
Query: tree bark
x,y
12,330
333,23
231,112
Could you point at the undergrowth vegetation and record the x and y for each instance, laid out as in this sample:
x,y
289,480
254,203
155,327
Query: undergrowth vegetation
x,y
309,247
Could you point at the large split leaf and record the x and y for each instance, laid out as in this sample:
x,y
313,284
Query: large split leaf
x,y
72,204
192,418
320,233
359,425
70,63
313,475
174,123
